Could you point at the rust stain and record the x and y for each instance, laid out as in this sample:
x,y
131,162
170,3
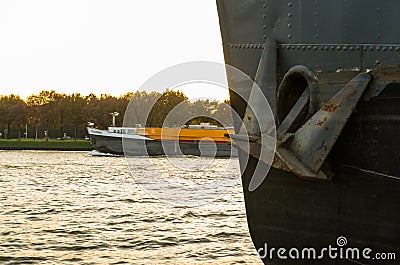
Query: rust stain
x,y
330,107
320,123
353,93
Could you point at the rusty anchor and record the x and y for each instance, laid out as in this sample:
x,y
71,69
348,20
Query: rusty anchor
x,y
304,150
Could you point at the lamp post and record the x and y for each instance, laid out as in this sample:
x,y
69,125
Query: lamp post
x,y
114,114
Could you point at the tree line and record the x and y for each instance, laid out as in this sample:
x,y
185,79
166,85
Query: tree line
x,y
61,114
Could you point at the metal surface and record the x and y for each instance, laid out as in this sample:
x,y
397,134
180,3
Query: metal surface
x,y
299,79
277,41
336,43
305,151
294,114
258,130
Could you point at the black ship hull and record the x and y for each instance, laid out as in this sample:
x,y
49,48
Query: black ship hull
x,y
289,212
361,202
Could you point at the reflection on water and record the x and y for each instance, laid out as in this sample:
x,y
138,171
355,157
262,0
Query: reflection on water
x,y
186,181
70,207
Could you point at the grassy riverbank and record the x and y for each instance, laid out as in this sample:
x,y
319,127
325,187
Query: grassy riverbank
x,y
62,145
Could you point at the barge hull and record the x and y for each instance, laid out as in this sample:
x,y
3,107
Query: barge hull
x,y
136,147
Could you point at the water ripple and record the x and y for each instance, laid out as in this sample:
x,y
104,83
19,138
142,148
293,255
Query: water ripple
x,y
72,208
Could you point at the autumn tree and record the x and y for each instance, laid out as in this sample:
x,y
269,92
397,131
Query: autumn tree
x,y
61,105
48,102
139,106
168,100
75,112
91,108
101,109
223,114
12,112
18,115
200,111
53,111
34,103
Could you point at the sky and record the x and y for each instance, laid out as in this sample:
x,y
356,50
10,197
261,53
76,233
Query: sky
x,y
103,46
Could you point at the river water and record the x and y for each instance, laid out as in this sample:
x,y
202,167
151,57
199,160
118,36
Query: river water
x,y
75,208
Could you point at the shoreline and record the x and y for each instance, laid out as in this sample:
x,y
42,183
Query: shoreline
x,y
51,145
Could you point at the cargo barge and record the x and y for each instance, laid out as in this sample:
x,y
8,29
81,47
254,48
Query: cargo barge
x,y
197,140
